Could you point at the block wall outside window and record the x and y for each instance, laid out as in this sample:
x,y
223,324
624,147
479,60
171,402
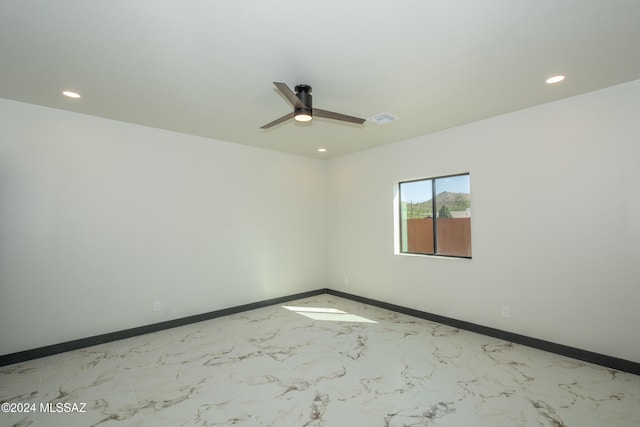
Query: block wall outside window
x,y
439,225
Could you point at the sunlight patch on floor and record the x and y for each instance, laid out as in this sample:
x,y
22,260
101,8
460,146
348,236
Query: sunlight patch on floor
x,y
332,314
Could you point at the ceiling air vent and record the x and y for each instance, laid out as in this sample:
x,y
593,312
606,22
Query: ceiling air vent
x,y
382,118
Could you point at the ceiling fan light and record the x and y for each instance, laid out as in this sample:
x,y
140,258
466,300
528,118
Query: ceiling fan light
x,y
303,117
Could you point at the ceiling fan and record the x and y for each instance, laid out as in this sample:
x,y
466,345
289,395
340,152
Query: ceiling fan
x,y
302,107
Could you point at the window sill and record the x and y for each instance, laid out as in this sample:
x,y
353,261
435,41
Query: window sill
x,y
409,254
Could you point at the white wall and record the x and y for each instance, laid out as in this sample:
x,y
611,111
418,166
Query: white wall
x,y
555,227
100,218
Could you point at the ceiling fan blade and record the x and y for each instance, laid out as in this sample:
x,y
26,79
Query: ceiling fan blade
x,y
278,121
288,93
337,116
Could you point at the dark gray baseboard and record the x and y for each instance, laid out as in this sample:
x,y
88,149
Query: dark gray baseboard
x,y
49,350
563,350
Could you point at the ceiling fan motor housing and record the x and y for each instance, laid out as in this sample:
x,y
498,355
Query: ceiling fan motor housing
x,y
303,92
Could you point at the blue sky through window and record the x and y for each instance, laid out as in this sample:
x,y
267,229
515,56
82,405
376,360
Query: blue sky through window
x,y
420,191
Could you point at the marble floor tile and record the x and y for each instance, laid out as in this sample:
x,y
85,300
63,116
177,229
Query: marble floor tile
x,y
321,361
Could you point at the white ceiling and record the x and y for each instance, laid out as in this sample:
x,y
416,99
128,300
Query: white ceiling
x,y
206,67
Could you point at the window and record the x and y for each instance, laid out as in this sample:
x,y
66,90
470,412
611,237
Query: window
x,y
448,231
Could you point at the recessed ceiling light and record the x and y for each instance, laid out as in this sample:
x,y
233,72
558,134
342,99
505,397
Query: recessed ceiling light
x,y
71,94
322,150
555,79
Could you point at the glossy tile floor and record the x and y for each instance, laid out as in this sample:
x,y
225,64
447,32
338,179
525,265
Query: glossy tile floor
x,y
323,361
